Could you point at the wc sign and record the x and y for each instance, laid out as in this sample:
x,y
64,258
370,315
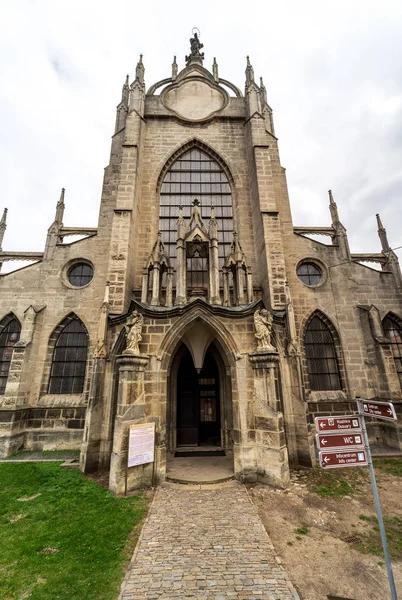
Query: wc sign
x,y
336,440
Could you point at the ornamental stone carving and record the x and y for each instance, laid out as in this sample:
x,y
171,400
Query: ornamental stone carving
x,y
133,329
263,327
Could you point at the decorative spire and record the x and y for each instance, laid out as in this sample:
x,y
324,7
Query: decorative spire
x,y
249,72
263,91
139,71
158,251
3,226
125,92
213,225
333,209
100,350
382,234
181,225
215,70
174,69
195,55
196,219
60,209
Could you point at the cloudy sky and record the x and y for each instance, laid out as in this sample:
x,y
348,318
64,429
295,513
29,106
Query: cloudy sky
x,y
332,72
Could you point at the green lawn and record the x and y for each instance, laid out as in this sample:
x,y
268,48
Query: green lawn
x,y
70,542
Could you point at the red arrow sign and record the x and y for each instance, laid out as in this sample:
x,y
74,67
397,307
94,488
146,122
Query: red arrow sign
x,y
342,458
325,424
379,410
339,441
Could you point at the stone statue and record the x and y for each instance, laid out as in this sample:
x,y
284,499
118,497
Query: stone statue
x,y
195,44
133,330
263,327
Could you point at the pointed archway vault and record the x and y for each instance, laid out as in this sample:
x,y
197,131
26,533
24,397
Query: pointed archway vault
x,y
197,340
201,314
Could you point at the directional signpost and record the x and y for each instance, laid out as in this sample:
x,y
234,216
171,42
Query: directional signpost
x,y
348,435
334,440
337,424
379,410
338,459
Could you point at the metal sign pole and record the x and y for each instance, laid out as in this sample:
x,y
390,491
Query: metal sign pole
x,y
377,503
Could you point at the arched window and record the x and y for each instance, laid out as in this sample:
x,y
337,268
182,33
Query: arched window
x,y
196,175
67,374
393,332
10,331
322,362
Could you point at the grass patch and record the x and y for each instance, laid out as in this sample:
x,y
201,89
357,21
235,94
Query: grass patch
x,y
302,530
371,543
62,536
336,483
393,466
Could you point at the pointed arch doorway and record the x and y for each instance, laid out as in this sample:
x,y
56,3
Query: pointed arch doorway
x,y
199,408
198,414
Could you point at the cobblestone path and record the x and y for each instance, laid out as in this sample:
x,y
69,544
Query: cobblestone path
x,y
207,544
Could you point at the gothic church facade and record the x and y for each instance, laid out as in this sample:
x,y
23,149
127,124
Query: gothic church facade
x,y
195,304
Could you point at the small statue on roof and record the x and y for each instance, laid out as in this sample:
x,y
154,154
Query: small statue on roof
x,y
195,46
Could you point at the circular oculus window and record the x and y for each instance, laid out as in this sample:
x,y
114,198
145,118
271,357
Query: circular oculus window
x,y
309,273
80,274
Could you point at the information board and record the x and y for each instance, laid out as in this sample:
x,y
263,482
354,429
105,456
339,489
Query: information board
x,y
141,444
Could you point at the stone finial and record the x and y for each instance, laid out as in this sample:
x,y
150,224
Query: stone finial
x,y
139,71
249,72
181,225
125,92
195,55
333,209
100,350
196,218
60,208
215,70
174,69
263,91
3,226
382,234
213,225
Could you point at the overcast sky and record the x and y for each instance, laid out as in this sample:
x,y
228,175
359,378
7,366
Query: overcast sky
x,y
332,72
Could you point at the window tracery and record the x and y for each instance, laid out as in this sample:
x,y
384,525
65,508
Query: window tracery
x,y
322,360
67,374
9,336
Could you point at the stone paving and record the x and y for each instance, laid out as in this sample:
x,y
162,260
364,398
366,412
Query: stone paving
x,y
207,544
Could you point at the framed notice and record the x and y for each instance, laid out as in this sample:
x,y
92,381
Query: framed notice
x,y
141,444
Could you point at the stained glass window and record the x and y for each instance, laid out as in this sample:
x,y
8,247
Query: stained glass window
x,y
9,336
69,361
322,362
394,333
196,175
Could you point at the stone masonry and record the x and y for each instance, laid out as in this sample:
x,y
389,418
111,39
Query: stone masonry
x,y
266,403
206,544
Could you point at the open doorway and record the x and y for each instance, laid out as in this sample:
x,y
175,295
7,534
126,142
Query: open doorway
x,y
198,403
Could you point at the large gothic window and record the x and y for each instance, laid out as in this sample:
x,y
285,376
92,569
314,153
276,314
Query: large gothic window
x,y
196,175
322,362
10,331
67,375
393,332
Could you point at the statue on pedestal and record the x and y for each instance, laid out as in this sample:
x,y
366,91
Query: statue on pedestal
x,y
133,330
263,327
